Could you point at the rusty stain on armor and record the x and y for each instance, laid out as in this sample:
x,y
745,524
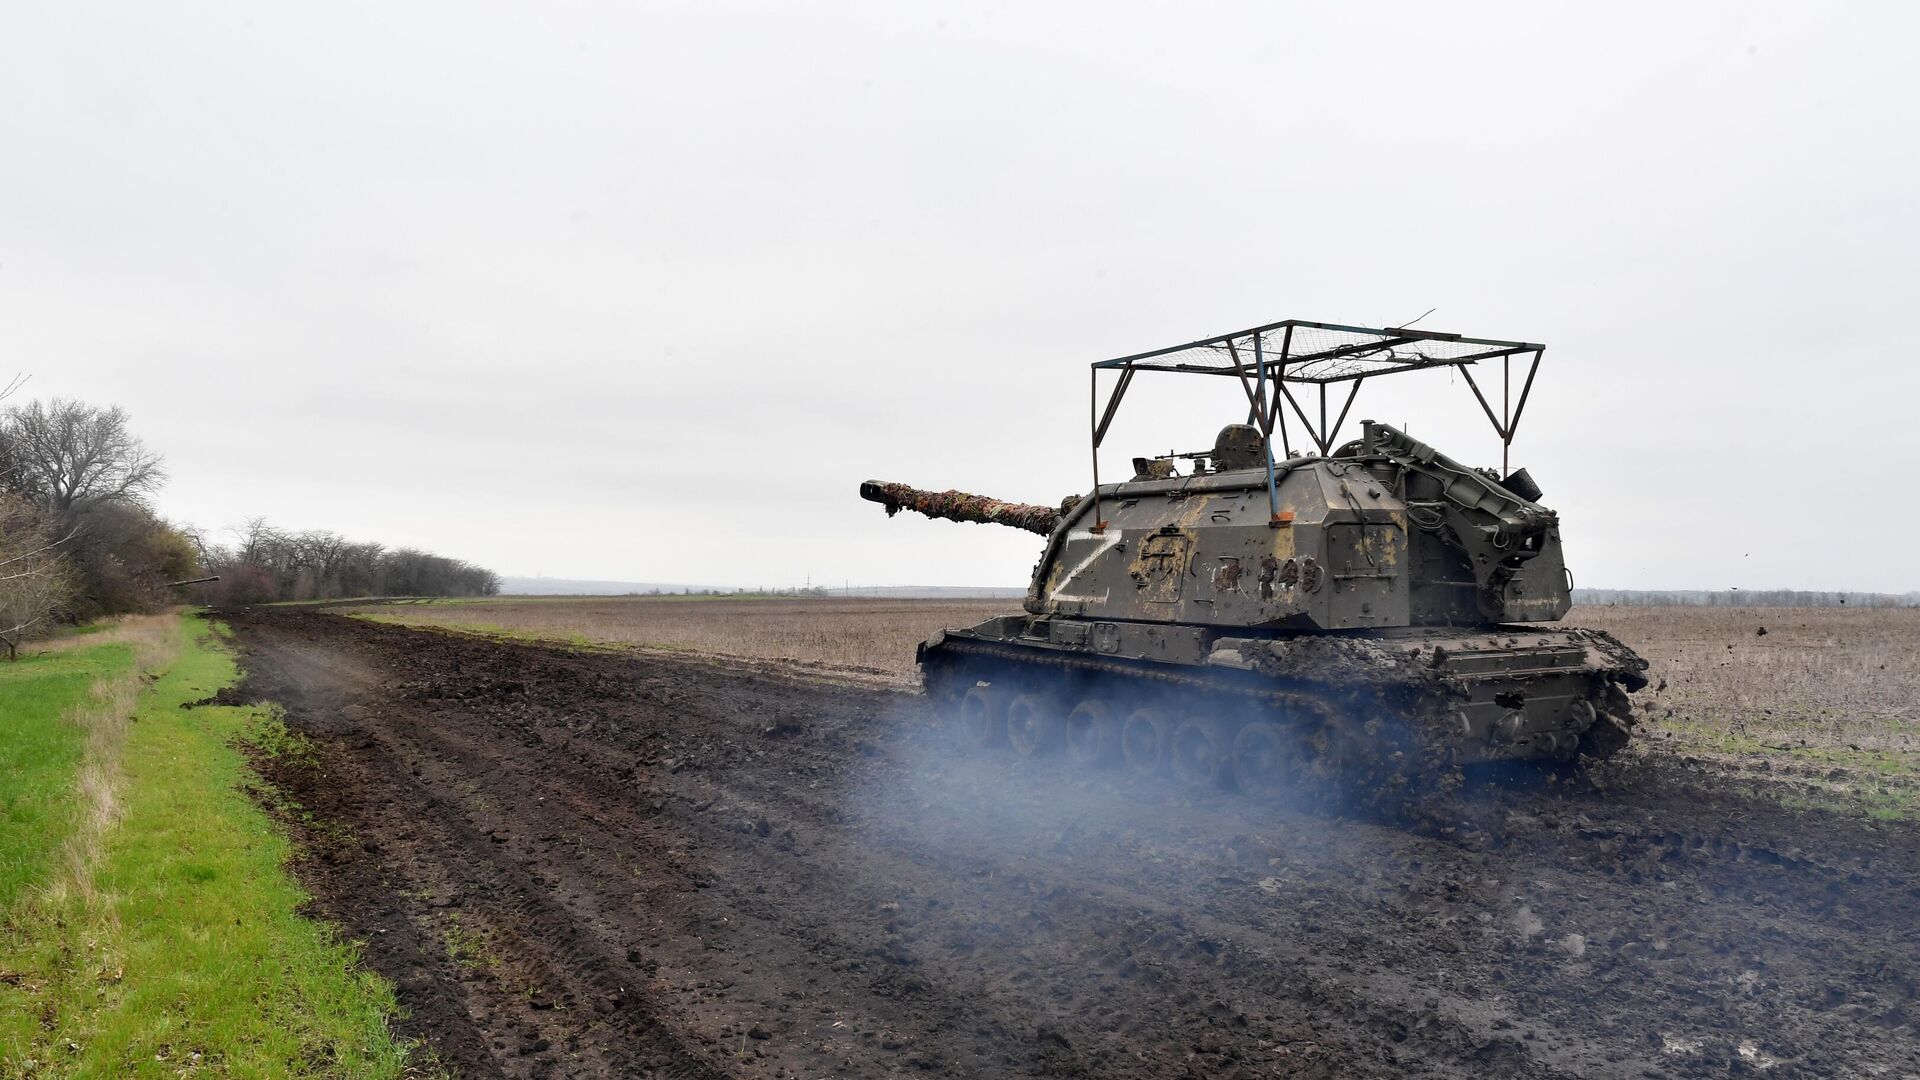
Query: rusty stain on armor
x,y
1226,577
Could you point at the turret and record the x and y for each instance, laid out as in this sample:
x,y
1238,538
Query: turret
x,y
1386,532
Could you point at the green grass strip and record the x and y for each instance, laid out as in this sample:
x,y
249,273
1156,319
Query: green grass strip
x,y
39,751
188,955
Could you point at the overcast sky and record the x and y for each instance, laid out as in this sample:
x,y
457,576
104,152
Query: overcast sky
x,y
643,291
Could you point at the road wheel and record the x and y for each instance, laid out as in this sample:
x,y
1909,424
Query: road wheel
x,y
1316,752
982,717
1035,727
1200,753
1320,763
1144,739
1262,759
1093,734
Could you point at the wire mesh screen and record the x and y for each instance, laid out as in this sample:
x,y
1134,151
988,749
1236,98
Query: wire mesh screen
x,y
1322,352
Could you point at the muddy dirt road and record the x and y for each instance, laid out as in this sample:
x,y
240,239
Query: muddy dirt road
x,y
594,865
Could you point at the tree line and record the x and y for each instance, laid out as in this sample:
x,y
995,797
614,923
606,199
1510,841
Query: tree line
x,y
79,538
266,564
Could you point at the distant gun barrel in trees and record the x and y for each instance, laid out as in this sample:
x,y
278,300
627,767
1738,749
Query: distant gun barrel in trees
x,y
192,581
960,506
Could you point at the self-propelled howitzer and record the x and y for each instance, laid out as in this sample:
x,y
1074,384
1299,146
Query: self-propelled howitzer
x,y
1269,619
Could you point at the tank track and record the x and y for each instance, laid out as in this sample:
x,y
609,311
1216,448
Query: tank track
x,y
1216,729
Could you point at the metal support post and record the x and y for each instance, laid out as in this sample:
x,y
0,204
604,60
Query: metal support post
x,y
1094,433
1266,443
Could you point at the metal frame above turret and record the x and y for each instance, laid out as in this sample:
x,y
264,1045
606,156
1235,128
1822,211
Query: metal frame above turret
x,y
1321,355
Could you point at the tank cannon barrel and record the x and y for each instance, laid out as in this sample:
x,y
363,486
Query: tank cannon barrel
x,y
960,506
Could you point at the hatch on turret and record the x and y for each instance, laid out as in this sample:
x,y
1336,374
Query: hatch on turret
x,y
1160,567
1365,564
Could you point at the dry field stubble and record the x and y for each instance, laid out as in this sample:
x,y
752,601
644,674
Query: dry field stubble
x,y
1823,700
1829,676
873,636
1826,700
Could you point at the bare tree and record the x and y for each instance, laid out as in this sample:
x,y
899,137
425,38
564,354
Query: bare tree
x,y
198,538
9,470
35,583
63,452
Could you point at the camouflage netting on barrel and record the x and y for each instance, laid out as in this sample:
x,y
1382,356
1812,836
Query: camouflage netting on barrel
x,y
960,506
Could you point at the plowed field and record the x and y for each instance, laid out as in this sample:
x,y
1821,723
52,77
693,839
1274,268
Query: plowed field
x,y
594,864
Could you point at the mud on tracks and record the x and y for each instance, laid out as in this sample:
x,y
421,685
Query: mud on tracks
x,y
598,865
